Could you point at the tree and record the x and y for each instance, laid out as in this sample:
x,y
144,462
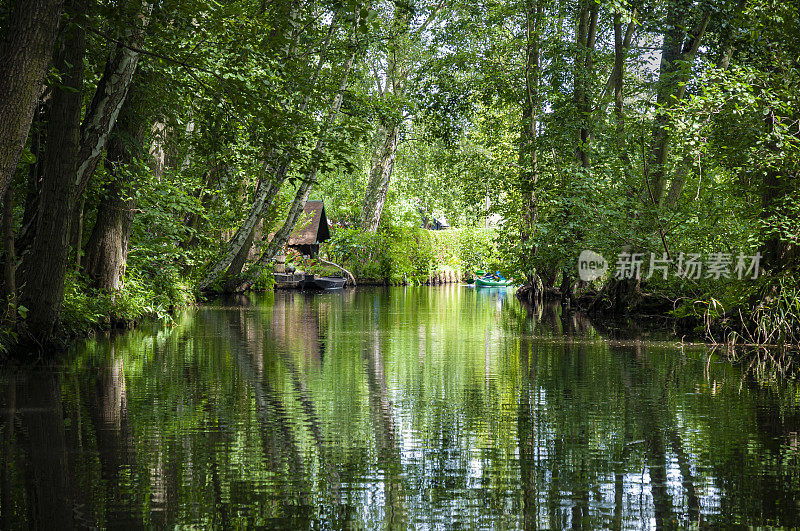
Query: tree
x,y
45,265
106,104
107,247
677,56
25,54
528,148
391,85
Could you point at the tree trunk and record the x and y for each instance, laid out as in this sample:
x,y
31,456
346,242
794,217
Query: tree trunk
x,y
621,48
266,191
46,263
386,137
107,248
105,107
25,54
235,269
274,175
301,196
380,174
676,60
528,149
617,81
618,75
10,257
38,136
585,39
158,156
76,230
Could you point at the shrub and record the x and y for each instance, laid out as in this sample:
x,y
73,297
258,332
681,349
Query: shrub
x,y
409,255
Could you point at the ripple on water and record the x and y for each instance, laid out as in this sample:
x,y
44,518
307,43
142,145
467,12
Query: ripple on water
x,y
390,408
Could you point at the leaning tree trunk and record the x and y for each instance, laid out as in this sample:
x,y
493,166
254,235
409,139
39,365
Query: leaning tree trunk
x,y
24,57
235,269
45,264
275,169
266,191
104,108
301,196
107,248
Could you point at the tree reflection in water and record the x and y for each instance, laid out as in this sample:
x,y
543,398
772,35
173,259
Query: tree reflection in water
x,y
393,408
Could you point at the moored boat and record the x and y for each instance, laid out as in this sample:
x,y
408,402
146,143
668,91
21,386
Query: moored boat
x,y
489,283
323,283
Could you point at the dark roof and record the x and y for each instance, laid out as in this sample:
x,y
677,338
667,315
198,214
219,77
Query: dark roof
x,y
312,227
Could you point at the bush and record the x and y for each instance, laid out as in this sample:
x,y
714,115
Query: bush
x,y
152,294
410,255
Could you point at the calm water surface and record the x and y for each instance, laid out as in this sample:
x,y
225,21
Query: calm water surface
x,y
380,408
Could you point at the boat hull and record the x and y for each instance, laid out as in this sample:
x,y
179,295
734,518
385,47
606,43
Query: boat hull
x,y
323,283
483,283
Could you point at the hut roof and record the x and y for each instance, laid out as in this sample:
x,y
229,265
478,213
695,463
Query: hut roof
x,y
312,227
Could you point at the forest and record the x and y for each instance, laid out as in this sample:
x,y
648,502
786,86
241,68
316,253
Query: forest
x,y
154,154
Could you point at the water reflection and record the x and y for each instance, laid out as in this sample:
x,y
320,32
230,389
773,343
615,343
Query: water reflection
x,y
393,408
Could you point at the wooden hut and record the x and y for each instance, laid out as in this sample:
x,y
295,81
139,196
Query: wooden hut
x,y
311,229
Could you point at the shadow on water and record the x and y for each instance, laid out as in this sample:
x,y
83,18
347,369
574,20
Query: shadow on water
x,y
394,408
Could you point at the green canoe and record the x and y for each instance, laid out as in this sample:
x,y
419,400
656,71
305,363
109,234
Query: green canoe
x,y
482,282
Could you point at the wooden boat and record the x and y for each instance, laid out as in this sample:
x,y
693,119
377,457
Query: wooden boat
x,y
287,281
489,283
322,283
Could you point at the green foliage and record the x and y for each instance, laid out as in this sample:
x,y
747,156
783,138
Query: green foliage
x,y
411,255
265,280
142,296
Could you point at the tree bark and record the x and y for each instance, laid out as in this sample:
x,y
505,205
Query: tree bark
x,y
380,175
10,256
24,57
46,263
107,247
676,60
105,107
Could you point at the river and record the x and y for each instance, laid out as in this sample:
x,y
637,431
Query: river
x,y
427,407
